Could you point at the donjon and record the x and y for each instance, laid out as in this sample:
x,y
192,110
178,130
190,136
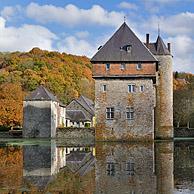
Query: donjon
x,y
133,88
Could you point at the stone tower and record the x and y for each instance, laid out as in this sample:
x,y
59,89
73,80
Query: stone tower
x,y
125,74
164,89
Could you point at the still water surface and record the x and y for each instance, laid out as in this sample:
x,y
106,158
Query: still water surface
x,y
59,167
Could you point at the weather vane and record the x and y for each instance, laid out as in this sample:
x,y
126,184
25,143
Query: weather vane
x,y
124,18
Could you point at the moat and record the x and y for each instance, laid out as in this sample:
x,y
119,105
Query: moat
x,y
82,167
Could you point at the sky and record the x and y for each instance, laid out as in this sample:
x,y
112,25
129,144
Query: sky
x,y
81,26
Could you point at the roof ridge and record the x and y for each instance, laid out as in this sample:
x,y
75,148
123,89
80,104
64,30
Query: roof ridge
x,y
83,97
83,106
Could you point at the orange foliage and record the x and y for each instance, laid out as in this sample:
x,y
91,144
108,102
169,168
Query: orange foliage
x,y
179,84
11,171
11,104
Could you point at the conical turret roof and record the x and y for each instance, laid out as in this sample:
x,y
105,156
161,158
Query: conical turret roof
x,y
159,47
123,46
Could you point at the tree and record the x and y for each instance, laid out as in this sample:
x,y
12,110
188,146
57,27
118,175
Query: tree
x,y
11,104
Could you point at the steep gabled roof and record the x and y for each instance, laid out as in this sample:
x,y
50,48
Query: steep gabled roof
x,y
115,49
76,115
41,93
159,47
87,103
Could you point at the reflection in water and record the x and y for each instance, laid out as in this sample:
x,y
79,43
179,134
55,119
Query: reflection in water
x,y
184,167
103,169
164,167
125,168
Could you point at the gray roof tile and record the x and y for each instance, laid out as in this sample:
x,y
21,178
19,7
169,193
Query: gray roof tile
x,y
158,48
41,93
115,49
76,115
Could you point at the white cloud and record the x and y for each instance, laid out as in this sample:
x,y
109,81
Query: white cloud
x,y
127,5
25,37
76,46
72,15
9,11
182,51
82,34
175,24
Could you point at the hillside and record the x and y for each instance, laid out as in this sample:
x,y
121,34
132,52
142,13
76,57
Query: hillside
x,y
67,76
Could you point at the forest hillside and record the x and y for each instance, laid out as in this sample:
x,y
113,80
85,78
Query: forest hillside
x,y
67,76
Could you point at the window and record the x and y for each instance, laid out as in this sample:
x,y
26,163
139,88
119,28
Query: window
x,y
110,169
139,66
130,168
123,66
141,88
130,113
128,48
104,88
107,67
131,88
110,113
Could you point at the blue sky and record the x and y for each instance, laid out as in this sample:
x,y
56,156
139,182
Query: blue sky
x,y
80,27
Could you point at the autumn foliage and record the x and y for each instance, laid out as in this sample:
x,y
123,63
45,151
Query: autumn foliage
x,y
11,101
67,76
183,103
11,170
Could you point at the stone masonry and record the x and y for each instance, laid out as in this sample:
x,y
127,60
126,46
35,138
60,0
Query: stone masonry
x,y
39,119
121,128
164,98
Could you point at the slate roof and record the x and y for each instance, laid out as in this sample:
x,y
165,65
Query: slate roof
x,y
76,115
158,48
115,50
86,103
41,93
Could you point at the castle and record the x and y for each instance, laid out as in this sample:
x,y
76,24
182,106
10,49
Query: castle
x,y
133,88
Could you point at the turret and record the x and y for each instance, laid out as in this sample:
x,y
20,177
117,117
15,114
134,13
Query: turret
x,y
164,90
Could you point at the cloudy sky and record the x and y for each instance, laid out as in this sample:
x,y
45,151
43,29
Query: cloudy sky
x,y
81,26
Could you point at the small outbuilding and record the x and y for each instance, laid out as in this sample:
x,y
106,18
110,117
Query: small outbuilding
x,y
80,113
43,113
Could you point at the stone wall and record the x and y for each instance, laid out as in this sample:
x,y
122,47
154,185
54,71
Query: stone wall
x,y
76,133
117,96
184,132
164,98
37,119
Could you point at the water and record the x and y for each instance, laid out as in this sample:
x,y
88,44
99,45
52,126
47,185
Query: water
x,y
45,166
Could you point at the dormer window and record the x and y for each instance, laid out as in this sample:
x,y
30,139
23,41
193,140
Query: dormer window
x,y
128,48
107,66
139,66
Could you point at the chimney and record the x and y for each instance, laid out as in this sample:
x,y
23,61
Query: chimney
x,y
147,39
169,49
